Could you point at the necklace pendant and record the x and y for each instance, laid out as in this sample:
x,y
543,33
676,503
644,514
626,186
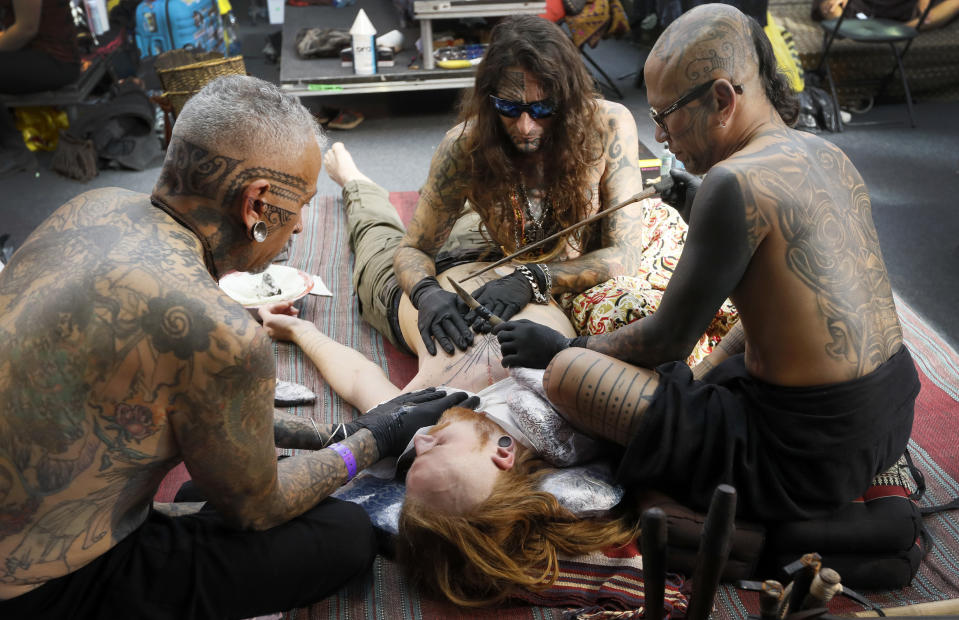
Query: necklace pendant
x,y
535,231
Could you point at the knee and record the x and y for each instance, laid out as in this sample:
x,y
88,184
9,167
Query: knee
x,y
321,551
350,530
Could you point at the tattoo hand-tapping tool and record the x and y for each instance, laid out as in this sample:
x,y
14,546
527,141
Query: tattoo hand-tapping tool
x,y
649,192
495,320
715,544
482,310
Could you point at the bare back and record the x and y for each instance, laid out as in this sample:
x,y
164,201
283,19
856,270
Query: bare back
x,y
109,325
481,365
815,299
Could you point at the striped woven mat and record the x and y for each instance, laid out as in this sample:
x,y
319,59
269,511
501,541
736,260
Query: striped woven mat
x,y
322,249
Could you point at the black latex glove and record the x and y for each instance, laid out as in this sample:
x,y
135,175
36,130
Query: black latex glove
x,y
678,190
503,297
394,423
528,344
441,317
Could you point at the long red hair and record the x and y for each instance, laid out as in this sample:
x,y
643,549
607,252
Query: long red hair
x,y
512,540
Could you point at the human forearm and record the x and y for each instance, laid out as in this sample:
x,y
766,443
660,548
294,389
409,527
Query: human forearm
x,y
384,431
412,265
349,373
578,274
641,344
15,38
306,479
621,254
299,432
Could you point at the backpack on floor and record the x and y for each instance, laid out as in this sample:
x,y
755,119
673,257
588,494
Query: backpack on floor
x,y
164,25
116,132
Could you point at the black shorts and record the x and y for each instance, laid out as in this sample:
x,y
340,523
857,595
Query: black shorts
x,y
196,567
791,453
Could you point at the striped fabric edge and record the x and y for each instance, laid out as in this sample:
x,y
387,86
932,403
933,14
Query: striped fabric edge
x,y
322,249
617,586
938,361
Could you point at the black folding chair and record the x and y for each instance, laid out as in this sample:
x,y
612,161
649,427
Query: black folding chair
x,y
870,30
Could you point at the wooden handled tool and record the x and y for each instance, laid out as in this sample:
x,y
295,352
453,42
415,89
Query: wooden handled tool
x,y
809,566
944,609
646,193
482,310
653,547
770,599
714,546
825,585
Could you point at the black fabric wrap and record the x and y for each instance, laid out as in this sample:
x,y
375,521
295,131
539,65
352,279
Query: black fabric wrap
x,y
791,453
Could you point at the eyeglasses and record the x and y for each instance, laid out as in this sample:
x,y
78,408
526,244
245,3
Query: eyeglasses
x,y
514,109
695,93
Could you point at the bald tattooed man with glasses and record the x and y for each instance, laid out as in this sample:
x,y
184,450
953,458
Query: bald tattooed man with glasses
x,y
812,393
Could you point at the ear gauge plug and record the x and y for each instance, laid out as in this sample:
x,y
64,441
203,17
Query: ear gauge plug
x,y
505,441
259,231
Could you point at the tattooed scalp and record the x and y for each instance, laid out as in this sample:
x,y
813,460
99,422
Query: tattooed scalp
x,y
707,42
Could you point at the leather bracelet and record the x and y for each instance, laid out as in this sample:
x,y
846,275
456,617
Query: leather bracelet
x,y
348,459
538,295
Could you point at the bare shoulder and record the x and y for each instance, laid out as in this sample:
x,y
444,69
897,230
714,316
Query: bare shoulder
x,y
454,139
785,165
88,207
445,187
614,117
612,109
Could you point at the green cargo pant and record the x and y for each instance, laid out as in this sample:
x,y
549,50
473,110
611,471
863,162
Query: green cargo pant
x,y
375,231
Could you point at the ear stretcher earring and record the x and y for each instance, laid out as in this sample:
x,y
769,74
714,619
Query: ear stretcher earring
x,y
505,442
259,231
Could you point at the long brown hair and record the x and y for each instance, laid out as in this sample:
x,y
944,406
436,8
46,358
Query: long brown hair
x,y
509,541
571,146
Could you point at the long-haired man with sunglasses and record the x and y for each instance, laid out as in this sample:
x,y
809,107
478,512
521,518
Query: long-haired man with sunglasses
x,y
811,396
536,150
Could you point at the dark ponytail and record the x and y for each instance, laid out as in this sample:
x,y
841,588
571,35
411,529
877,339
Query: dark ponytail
x,y
777,87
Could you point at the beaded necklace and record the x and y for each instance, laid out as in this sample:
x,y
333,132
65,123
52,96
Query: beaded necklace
x,y
527,226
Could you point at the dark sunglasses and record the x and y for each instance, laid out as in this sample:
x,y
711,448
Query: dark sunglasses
x,y
514,109
695,93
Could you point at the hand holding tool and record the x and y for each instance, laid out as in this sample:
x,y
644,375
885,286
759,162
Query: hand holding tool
x,y
481,310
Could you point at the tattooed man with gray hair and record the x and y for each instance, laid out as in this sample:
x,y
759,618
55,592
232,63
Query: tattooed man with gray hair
x,y
811,396
120,357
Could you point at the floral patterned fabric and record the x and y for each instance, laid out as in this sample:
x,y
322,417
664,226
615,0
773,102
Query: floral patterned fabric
x,y
598,20
624,299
